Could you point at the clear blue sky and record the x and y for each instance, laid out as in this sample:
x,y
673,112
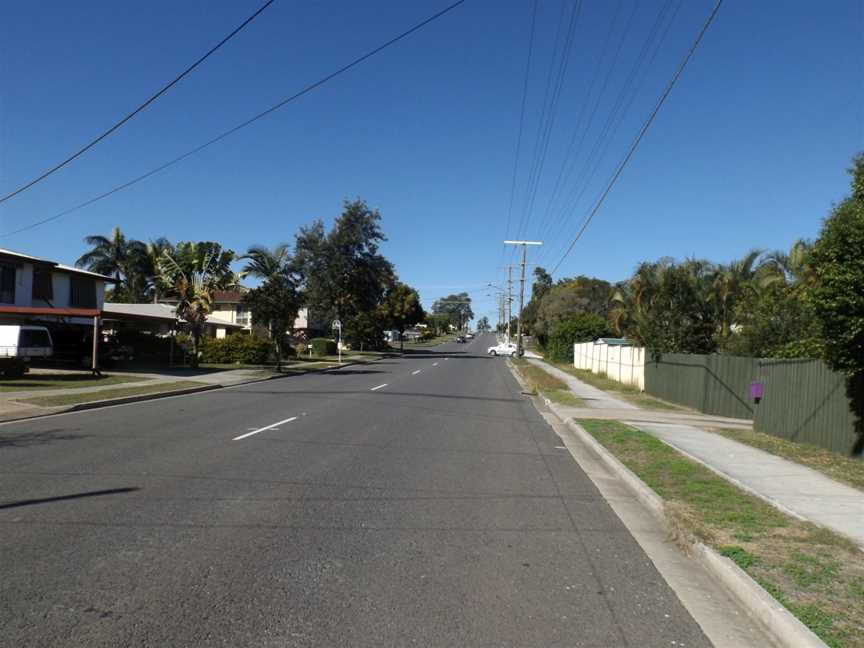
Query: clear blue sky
x,y
749,151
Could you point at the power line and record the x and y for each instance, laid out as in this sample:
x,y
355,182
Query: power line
x,y
616,115
144,105
642,132
521,119
309,88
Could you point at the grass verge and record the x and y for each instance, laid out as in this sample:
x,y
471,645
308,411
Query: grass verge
x,y
105,394
845,469
625,392
816,574
38,382
541,381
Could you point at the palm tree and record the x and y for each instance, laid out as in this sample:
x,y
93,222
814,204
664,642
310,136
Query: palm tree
x,y
263,263
118,257
730,283
190,273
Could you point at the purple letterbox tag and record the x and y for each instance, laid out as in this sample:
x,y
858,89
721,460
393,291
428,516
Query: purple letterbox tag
x,y
757,390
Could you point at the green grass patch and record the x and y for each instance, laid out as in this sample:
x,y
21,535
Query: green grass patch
x,y
39,381
816,574
564,397
551,386
625,392
846,469
105,394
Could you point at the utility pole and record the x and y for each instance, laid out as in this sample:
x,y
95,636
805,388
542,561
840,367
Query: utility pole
x,y
509,299
524,245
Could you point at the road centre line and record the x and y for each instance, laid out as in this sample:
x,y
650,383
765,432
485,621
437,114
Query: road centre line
x,y
434,364
378,387
414,373
268,427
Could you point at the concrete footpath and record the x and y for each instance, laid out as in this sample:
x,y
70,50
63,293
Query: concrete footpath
x,y
795,489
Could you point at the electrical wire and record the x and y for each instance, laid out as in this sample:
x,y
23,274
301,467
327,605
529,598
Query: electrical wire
x,y
616,115
642,132
309,88
521,123
144,105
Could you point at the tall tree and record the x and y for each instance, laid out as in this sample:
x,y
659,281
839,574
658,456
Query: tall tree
x,y
401,309
120,258
838,293
274,305
570,297
483,324
190,274
263,262
456,307
344,275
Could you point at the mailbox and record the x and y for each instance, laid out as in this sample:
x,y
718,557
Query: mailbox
x,y
757,390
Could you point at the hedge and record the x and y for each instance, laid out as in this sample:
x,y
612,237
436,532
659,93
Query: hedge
x,y
323,347
235,349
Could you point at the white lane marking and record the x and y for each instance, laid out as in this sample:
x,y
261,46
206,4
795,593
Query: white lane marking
x,y
268,427
414,373
447,358
378,387
434,364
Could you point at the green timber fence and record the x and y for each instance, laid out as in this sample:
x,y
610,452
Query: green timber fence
x,y
803,400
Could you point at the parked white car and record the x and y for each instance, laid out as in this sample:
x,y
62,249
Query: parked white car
x,y
19,343
504,348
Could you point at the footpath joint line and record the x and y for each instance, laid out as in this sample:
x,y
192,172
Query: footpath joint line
x,y
268,427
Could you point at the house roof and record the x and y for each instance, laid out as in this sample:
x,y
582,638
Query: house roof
x,y
228,296
158,312
59,267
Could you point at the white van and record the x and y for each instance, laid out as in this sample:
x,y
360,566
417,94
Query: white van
x,y
19,343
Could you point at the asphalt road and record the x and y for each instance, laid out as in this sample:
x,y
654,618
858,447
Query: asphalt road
x,y
436,510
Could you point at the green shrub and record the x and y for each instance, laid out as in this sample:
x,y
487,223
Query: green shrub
x,y
235,349
584,327
323,347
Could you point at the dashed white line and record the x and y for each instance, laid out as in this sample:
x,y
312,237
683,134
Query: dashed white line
x,y
268,427
414,373
378,387
434,364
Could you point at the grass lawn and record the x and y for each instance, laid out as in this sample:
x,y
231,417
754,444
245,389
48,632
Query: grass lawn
x,y
845,469
35,382
554,388
625,392
419,345
89,397
816,574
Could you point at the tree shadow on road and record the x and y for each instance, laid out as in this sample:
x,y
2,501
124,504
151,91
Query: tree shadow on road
x,y
62,498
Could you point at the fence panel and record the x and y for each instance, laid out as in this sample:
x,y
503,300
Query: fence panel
x,y
806,402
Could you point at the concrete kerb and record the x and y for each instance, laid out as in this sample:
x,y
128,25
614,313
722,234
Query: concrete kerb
x,y
764,608
775,619
125,400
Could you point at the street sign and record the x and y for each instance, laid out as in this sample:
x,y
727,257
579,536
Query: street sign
x,y
337,324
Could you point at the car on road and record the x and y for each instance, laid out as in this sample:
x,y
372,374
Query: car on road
x,y
504,348
469,336
460,339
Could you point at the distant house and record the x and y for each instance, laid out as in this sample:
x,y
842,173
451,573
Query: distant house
x,y
227,306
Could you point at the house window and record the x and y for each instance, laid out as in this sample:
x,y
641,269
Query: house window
x,y
7,285
242,315
83,292
42,288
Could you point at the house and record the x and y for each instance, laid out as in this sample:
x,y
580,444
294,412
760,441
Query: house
x,y
228,306
34,288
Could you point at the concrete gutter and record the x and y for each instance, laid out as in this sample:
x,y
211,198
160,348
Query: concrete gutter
x,y
776,620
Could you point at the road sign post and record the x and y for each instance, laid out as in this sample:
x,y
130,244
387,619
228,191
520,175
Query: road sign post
x,y
337,324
